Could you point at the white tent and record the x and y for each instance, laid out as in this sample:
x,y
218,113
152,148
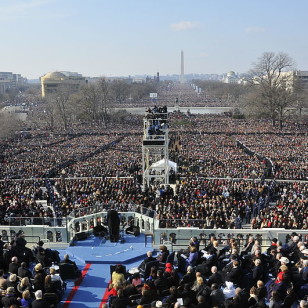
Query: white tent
x,y
161,164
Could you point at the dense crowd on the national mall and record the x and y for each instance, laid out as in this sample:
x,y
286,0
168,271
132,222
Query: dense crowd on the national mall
x,y
229,174
186,96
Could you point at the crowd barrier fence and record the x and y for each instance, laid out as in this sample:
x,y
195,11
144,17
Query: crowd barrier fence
x,y
171,237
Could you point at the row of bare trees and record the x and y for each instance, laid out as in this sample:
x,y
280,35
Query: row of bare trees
x,y
93,103
275,88
270,89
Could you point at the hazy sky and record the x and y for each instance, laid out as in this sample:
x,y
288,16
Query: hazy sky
x,y
130,37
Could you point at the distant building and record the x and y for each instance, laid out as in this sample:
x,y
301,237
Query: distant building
x,y
8,80
231,77
301,76
182,77
51,82
289,78
140,79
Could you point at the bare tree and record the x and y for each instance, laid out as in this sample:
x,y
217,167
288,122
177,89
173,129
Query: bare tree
x,y
88,102
58,105
274,85
93,102
120,90
3,97
301,92
50,113
139,91
9,124
104,99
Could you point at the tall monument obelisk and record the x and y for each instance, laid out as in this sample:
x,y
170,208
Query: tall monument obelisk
x,y
182,67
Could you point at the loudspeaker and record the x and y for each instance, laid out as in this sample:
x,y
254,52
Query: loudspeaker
x,y
81,236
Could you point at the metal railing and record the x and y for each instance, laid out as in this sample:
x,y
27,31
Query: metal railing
x,y
176,244
35,221
32,239
103,207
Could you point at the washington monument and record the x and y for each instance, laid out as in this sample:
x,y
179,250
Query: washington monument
x,y
182,67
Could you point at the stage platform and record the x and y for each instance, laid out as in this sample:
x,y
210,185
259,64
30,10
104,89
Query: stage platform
x,y
96,250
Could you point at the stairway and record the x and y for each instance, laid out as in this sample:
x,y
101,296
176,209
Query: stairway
x,y
246,226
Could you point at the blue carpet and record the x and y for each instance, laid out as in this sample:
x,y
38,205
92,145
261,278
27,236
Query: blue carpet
x,y
101,254
95,250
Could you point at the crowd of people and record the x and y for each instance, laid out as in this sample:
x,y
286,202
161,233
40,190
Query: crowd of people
x,y
35,159
220,182
236,275
19,199
181,95
209,155
289,153
209,146
191,96
203,203
34,277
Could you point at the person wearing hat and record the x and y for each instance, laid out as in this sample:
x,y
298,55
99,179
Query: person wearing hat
x,y
158,304
169,268
284,261
164,253
273,245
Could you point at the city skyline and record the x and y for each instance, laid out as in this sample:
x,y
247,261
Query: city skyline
x,y
121,38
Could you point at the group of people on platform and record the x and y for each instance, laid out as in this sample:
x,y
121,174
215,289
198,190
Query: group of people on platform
x,y
31,278
237,275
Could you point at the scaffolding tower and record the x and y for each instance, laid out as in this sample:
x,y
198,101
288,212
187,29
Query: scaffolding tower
x,y
155,155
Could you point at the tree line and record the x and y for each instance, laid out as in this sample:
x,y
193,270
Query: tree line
x,y
269,90
94,102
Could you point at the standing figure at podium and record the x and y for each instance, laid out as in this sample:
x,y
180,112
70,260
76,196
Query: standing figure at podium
x,y
113,221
